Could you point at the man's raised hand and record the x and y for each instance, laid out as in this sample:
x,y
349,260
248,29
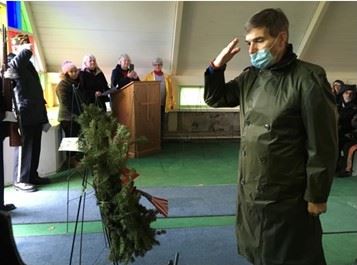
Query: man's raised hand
x,y
227,53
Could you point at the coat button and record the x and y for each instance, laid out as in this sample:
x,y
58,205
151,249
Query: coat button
x,y
267,126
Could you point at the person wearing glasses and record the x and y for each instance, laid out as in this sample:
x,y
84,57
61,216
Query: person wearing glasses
x,y
167,101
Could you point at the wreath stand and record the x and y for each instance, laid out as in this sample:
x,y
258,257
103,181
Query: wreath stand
x,y
71,144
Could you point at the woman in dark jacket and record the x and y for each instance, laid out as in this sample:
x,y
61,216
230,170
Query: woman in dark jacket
x,y
92,82
69,105
69,108
123,73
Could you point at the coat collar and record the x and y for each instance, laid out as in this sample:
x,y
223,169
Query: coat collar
x,y
68,80
288,58
94,72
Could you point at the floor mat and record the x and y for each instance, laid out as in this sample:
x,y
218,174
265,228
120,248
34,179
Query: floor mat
x,y
199,246
51,206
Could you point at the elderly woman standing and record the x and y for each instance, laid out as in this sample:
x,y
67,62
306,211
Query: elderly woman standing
x,y
92,82
69,108
124,72
69,104
166,88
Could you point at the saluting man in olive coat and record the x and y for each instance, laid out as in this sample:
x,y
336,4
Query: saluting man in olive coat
x,y
288,144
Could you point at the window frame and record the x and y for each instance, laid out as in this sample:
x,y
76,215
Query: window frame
x,y
199,107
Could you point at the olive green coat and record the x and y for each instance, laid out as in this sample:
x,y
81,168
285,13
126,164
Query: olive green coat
x,y
288,154
68,106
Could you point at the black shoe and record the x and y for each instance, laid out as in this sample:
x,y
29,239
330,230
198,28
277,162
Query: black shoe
x,y
27,187
40,181
345,174
7,207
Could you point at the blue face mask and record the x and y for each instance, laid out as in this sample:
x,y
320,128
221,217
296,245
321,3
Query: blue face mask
x,y
262,59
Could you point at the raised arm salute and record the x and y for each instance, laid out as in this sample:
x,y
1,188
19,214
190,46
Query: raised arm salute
x,y
33,115
226,54
288,148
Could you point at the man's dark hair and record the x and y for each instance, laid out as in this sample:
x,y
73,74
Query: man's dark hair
x,y
339,82
273,19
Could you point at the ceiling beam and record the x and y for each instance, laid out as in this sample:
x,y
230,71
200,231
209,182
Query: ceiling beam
x,y
311,29
40,58
176,37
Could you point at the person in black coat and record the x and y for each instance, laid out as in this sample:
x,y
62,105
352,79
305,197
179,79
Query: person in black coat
x,y
92,82
123,73
32,114
336,87
347,109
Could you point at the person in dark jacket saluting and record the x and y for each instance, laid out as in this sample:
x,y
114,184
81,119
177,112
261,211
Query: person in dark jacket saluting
x,y
288,149
92,82
32,114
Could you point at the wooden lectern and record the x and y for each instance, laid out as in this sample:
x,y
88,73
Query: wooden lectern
x,y
137,106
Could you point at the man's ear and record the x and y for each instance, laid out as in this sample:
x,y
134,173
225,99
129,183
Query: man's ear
x,y
283,38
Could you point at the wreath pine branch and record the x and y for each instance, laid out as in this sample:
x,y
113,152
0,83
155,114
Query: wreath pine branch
x,y
105,144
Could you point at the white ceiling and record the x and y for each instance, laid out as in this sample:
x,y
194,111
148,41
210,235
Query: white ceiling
x,y
335,43
187,35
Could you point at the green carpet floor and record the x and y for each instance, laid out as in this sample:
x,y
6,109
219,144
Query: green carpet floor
x,y
178,164
96,226
209,164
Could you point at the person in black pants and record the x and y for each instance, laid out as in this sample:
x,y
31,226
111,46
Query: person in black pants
x,y
4,207
32,114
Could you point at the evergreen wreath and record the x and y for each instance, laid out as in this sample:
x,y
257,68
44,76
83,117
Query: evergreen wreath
x,y
105,143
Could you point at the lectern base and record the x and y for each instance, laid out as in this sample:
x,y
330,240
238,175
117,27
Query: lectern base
x,y
145,152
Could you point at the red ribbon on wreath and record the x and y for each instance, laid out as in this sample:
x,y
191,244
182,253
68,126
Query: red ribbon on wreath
x,y
160,204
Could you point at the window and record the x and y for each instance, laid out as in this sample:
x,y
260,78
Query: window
x,y
191,96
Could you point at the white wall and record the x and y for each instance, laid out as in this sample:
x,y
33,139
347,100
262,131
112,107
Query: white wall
x,y
50,158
